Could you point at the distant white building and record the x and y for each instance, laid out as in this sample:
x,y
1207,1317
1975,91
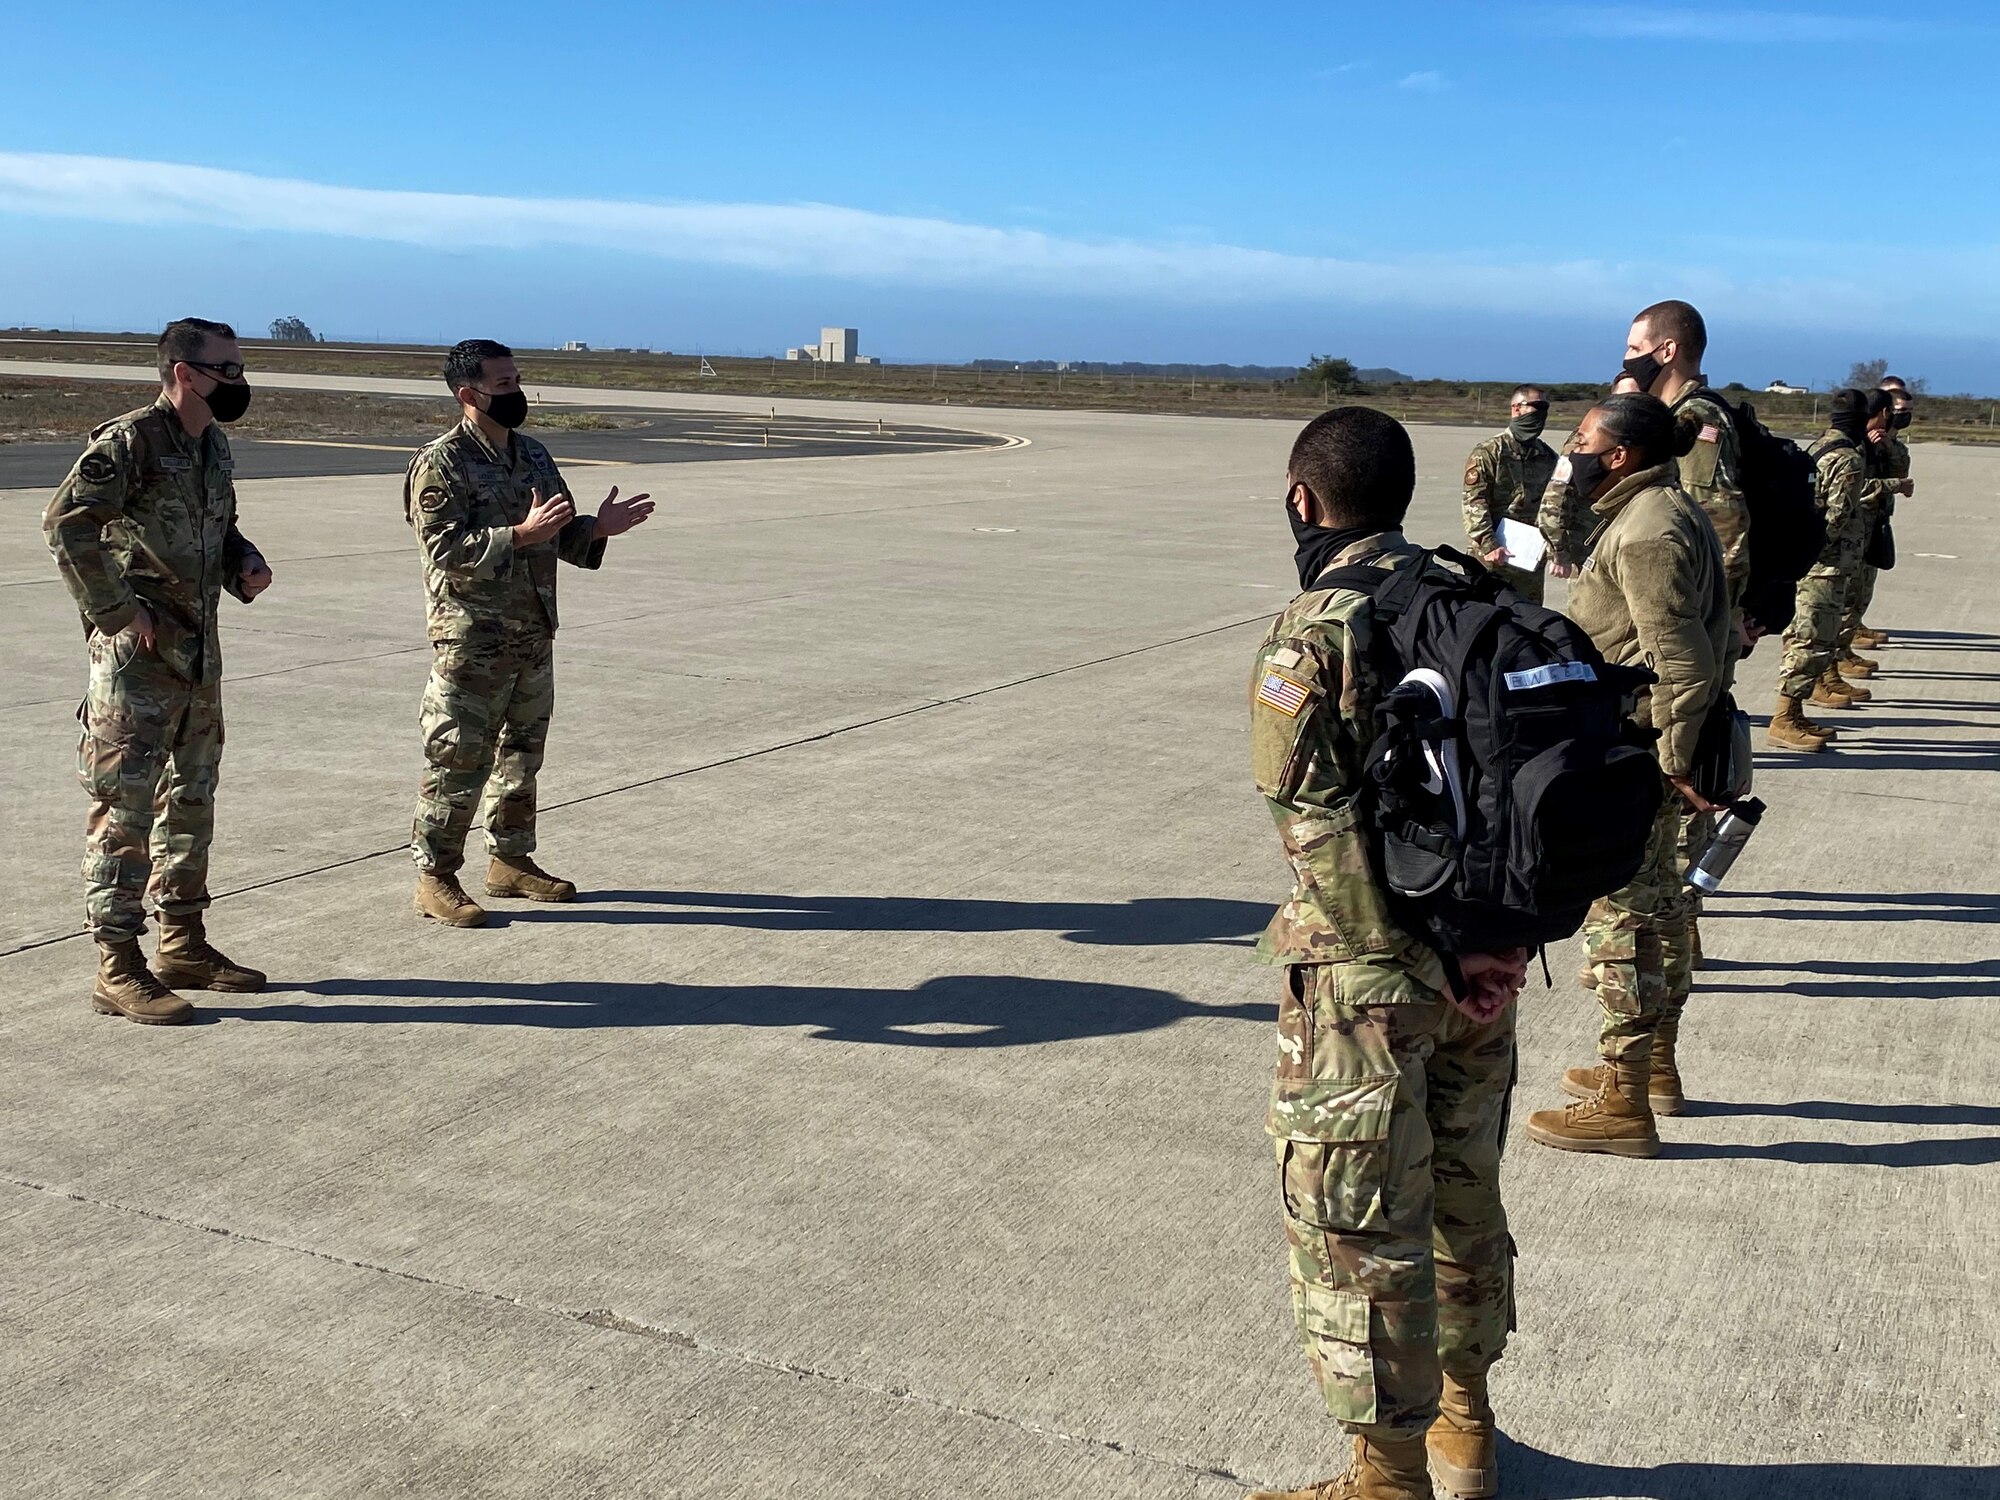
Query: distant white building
x,y
839,346
576,346
1784,388
802,354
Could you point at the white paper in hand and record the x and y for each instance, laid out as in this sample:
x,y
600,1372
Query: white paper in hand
x,y
1524,543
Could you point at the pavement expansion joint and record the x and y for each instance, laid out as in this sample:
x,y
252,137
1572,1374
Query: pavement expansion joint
x,y
611,1322
713,765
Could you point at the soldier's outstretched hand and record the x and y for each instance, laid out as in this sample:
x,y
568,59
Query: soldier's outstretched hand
x,y
544,519
616,517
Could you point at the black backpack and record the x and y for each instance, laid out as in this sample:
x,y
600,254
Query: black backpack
x,y
1508,787
1787,531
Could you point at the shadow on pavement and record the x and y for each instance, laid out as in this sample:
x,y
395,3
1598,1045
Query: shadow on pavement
x,y
955,1010
1864,980
1147,921
1955,1151
1865,1114
1532,1474
1882,906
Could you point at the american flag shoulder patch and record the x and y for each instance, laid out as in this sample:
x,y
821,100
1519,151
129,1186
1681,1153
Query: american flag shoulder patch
x,y
1708,433
1286,694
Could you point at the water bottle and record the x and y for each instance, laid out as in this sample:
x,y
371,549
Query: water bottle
x,y
1731,834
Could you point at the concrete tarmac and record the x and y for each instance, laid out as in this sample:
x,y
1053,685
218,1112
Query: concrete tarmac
x,y
886,1119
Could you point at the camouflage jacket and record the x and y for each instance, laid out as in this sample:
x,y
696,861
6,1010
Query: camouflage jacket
x,y
1710,475
1887,464
465,497
1842,475
1504,479
1564,517
1653,594
1312,718
148,516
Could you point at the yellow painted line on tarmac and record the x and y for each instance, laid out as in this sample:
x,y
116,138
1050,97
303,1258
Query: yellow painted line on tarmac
x,y
326,443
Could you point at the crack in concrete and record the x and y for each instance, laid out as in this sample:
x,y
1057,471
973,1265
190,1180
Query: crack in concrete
x,y
608,1321
713,765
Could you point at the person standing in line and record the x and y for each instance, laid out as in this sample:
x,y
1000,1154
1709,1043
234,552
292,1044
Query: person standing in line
x,y
1890,472
1653,592
1505,477
1392,1083
1813,637
493,518
144,534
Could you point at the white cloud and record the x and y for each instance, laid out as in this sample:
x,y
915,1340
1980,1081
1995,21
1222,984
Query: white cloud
x,y
1429,81
1803,287
1638,23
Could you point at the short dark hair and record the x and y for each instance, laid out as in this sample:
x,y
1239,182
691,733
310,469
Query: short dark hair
x,y
1644,424
1892,383
1359,465
1847,402
467,361
1524,390
1678,321
1878,401
185,338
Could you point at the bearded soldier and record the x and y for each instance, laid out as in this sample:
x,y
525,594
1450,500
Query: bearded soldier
x,y
493,517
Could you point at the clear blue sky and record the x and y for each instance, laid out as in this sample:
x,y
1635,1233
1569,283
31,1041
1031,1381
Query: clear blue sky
x,y
1476,190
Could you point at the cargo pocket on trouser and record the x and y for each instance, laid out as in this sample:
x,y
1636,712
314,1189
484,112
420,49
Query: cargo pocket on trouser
x,y
1335,1167
1333,1326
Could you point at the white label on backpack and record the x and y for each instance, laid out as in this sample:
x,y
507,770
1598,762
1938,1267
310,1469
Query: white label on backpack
x,y
1562,671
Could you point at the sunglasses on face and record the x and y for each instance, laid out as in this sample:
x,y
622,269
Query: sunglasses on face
x,y
229,370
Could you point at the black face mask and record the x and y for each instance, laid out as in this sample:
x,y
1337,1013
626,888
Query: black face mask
x,y
1901,419
229,400
1528,426
1852,425
509,408
1316,546
1586,472
1644,368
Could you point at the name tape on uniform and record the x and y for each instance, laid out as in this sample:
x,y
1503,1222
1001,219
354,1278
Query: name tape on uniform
x,y
1549,676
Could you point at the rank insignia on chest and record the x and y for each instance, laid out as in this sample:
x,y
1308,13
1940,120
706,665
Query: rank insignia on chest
x,y
1285,694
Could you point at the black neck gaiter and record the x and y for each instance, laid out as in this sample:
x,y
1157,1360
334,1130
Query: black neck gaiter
x,y
1319,545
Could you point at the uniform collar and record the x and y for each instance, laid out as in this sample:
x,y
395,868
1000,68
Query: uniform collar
x,y
1621,492
471,428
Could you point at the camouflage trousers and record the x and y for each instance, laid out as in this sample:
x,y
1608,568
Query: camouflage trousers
x,y
149,756
1860,594
1677,948
1814,634
1626,940
485,721
1389,1122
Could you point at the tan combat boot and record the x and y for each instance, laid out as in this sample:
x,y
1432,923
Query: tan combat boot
x,y
1874,640
441,898
1662,1093
126,987
1663,1083
1463,1443
1851,665
518,875
1616,1120
187,960
1378,1471
1789,730
1832,692
1696,960
1840,684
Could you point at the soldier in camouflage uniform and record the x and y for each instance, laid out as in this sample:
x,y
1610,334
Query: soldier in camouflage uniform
x,y
1889,477
144,534
1390,1101
493,517
1664,350
1653,593
1813,637
1505,479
